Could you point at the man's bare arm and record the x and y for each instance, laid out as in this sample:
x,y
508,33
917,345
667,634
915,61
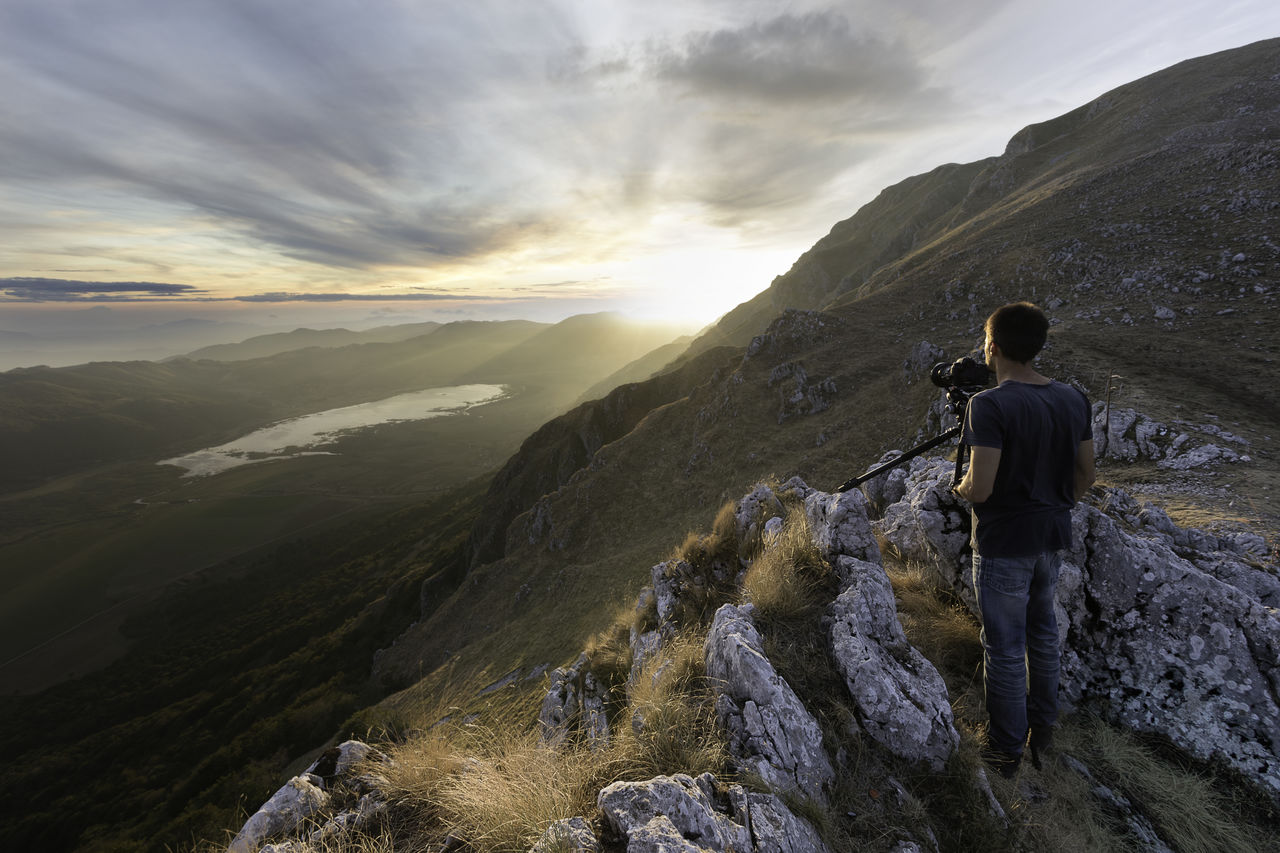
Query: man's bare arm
x,y
1084,468
980,479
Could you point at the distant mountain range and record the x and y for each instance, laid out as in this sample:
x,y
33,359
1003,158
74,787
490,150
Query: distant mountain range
x,y
264,346
56,420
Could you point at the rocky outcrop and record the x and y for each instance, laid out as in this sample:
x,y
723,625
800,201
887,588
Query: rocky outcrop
x,y
840,526
679,813
307,805
575,702
1165,630
797,394
572,835
1122,433
300,798
900,698
769,729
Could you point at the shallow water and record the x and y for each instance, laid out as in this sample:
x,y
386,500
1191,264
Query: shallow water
x,y
292,438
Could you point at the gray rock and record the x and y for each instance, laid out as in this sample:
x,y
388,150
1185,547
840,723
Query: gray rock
x,y
1164,629
887,488
931,525
839,525
775,829
1157,643
1199,457
677,813
574,701
666,812
297,800
752,512
921,359
900,698
572,835
770,731
1141,829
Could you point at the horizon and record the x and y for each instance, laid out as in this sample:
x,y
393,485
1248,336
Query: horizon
x,y
565,158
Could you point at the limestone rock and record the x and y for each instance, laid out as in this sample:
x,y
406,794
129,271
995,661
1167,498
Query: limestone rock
x,y
900,698
669,813
1166,630
887,488
797,394
753,511
839,525
776,830
921,359
930,524
297,800
677,813
574,701
770,731
572,835
1158,644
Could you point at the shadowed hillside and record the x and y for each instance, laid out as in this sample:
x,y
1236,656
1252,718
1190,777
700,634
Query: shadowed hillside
x,y
263,346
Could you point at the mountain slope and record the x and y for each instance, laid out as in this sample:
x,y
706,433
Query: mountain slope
x,y
1131,240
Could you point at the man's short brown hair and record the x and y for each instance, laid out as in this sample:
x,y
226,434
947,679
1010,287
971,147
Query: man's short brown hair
x,y
1019,329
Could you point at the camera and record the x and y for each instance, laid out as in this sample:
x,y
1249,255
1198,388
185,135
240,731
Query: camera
x,y
963,378
965,372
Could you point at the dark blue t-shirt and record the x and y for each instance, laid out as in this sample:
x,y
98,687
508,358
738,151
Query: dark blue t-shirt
x,y
1038,429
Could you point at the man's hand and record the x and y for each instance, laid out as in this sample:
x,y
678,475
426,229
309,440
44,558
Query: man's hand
x,y
979,480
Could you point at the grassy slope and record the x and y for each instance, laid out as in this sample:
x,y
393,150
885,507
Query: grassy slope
x,y
228,677
1106,213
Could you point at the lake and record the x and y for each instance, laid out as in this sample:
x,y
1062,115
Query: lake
x,y
292,438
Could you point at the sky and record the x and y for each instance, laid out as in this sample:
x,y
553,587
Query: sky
x,y
390,160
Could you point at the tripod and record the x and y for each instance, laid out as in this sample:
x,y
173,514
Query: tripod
x,y
957,399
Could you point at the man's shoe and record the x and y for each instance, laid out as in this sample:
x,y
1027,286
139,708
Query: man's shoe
x,y
1002,762
1041,745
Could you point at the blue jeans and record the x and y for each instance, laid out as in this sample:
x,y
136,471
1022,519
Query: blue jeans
x,y
1019,644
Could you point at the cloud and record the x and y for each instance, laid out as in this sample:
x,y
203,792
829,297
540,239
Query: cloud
x,y
333,135
816,57
360,297
27,289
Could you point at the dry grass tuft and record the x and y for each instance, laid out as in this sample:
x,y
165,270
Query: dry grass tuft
x,y
1186,807
669,725
936,622
499,785
789,578
609,654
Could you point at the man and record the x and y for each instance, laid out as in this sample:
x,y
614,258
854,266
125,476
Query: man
x,y
1031,460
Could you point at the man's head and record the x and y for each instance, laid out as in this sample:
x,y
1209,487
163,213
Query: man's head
x,y
1018,329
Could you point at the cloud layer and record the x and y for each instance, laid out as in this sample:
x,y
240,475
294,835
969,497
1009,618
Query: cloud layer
x,y
228,142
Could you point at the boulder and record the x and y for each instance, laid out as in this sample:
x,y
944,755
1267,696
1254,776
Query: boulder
x,y
299,798
678,813
575,700
770,731
753,511
573,835
900,698
1159,644
1164,630
775,829
930,525
839,525
669,813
